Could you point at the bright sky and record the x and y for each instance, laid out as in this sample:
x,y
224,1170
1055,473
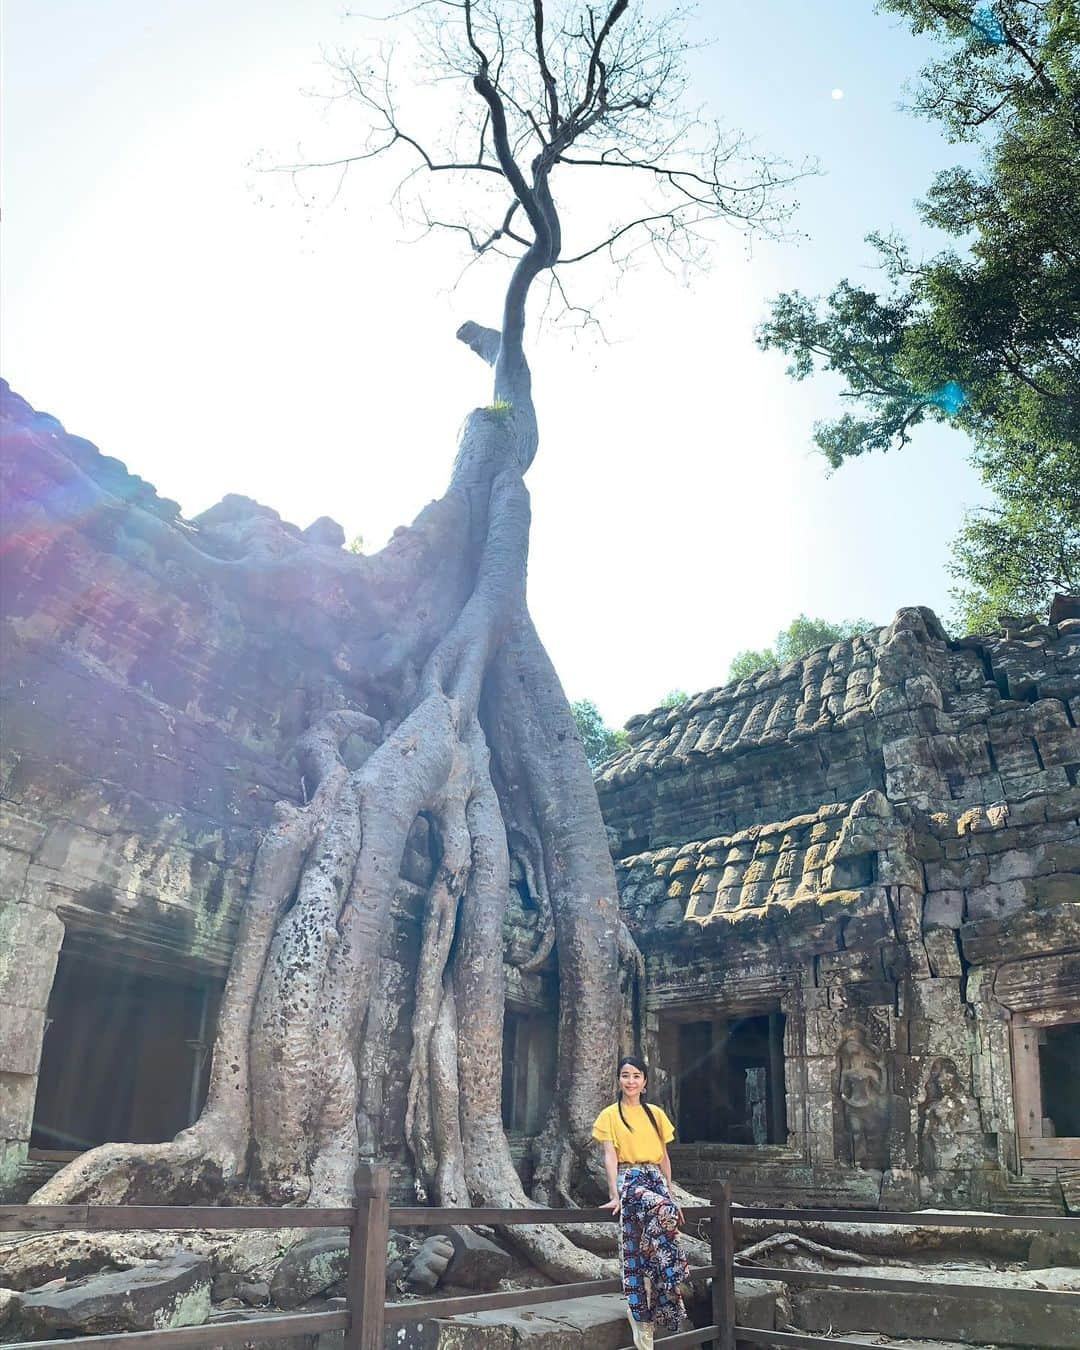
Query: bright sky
x,y
207,325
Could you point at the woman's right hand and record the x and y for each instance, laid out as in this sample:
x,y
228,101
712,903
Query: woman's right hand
x,y
612,1205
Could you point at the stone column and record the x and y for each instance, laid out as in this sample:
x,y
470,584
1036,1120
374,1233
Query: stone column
x,y
30,940
993,1067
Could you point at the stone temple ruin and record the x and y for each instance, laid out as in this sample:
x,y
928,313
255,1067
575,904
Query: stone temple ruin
x,y
855,879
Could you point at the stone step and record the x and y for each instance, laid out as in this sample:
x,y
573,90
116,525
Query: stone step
x,y
596,1323
30,1176
983,1317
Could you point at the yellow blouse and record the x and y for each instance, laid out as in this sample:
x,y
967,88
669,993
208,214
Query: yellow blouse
x,y
640,1143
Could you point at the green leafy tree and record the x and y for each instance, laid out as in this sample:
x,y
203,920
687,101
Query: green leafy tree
x,y
1008,559
598,739
984,336
802,635
674,698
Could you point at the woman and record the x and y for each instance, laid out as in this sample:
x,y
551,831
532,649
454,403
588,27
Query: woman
x,y
635,1137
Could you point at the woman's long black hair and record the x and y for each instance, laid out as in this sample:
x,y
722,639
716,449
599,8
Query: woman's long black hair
x,y
638,1064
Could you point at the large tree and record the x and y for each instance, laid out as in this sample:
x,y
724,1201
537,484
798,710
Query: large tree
x,y
985,335
479,740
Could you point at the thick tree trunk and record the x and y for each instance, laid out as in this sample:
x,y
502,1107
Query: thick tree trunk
x,y
485,746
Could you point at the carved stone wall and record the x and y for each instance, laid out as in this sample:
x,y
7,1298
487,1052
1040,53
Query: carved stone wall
x,y
874,851
156,673
880,842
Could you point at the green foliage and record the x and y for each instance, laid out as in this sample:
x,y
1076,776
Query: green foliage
x,y
749,662
599,740
1025,547
802,635
985,336
502,408
356,544
674,698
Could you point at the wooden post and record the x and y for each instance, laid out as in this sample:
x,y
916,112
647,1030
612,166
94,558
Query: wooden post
x,y
366,1288
723,1259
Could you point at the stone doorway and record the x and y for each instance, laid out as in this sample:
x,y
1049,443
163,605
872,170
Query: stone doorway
x,y
126,1050
1059,1069
528,1070
1046,1076
730,1079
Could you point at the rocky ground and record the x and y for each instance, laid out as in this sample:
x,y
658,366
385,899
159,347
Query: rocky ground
x,y
75,1284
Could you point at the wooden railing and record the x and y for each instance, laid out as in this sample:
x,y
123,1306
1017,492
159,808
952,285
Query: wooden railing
x,y
367,1315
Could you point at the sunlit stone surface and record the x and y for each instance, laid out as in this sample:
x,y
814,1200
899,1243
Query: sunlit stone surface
x,y
855,879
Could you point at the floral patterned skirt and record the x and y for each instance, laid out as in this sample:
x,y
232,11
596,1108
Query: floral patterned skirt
x,y
653,1267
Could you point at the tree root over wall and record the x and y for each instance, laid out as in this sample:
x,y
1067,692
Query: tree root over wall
x,y
485,747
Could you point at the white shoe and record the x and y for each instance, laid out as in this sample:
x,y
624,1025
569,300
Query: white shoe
x,y
643,1332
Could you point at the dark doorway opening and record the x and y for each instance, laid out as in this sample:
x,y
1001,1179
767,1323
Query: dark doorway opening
x,y
126,1054
528,1071
731,1080
1059,1069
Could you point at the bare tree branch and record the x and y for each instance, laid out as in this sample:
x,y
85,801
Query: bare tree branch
x,y
550,85
600,89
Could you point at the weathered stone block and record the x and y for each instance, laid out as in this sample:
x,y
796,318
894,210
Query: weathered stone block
x,y
18,831
998,901
170,1293
16,1104
820,1113
1065,805
979,1317
29,942
821,1075
1017,863
863,994
915,783
13,869
943,909
10,1302
309,1268
943,952
20,1041
1060,745
842,967
1059,889
477,1262
957,873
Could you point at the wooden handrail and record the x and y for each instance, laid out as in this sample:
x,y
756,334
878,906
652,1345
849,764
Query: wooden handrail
x,y
368,1222
512,1298
424,1216
366,1279
152,1218
935,1218
164,1218
1015,1293
204,1337
722,1243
